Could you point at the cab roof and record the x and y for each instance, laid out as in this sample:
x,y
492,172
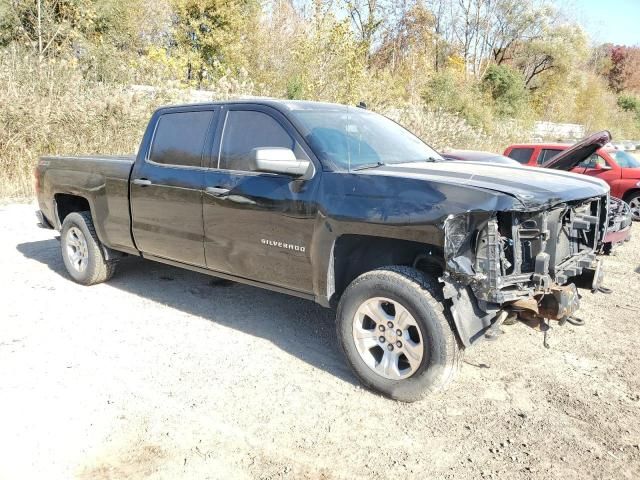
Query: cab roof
x,y
287,105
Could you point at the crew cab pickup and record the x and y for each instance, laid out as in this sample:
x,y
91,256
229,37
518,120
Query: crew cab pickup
x,y
421,257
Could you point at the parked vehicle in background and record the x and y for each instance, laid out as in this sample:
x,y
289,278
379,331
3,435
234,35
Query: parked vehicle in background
x,y
421,257
620,169
478,156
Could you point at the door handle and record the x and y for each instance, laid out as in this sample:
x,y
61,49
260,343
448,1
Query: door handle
x,y
143,182
217,191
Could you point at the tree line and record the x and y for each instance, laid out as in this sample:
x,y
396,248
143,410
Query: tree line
x,y
482,60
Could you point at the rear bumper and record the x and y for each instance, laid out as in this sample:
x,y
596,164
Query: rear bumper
x,y
42,220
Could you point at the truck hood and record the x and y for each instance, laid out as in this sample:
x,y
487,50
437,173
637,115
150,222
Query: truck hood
x,y
535,188
582,150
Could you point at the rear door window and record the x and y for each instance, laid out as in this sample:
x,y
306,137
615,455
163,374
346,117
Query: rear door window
x,y
522,155
180,137
547,154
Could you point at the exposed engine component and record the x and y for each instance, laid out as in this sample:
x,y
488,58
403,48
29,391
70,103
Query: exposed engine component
x,y
522,261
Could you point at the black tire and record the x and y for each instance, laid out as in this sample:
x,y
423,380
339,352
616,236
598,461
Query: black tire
x,y
97,269
422,297
633,199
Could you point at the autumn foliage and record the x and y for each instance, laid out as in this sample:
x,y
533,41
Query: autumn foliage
x,y
472,73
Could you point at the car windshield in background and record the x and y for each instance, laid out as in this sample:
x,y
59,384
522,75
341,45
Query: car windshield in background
x,y
354,138
625,160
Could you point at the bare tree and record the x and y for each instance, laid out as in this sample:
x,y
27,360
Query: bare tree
x,y
367,19
442,28
44,23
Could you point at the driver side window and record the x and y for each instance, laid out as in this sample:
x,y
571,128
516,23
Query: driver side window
x,y
593,161
245,130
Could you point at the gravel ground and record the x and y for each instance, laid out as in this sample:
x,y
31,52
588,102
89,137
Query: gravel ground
x,y
165,373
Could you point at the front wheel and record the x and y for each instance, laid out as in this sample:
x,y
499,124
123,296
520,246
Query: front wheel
x,y
392,327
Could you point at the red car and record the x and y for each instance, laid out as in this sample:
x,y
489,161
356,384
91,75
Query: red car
x,y
618,168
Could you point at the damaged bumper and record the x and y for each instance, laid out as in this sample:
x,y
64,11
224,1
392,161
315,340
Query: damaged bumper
x,y
620,220
521,261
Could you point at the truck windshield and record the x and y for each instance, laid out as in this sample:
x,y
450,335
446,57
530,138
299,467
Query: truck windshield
x,y
354,138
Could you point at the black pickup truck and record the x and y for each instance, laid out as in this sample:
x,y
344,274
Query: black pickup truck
x,y
421,257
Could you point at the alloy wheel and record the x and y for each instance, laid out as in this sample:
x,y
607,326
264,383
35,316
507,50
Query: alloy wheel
x,y
634,205
77,249
388,338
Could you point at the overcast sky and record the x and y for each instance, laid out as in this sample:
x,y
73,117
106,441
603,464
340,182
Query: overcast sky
x,y
608,21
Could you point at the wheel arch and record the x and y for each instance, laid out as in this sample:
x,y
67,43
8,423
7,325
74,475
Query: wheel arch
x,y
66,203
630,193
354,254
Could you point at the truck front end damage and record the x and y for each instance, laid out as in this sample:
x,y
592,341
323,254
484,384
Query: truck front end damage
x,y
521,262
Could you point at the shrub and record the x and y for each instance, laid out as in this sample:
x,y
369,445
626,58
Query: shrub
x,y
449,91
629,103
506,86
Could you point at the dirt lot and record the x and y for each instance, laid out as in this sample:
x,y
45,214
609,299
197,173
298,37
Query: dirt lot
x,y
164,373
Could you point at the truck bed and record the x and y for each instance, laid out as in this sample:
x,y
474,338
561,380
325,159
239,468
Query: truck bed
x,y
103,180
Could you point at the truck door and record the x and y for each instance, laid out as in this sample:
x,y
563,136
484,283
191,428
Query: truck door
x,y
258,225
167,185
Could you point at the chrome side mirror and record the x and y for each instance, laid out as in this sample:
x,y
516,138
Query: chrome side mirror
x,y
279,160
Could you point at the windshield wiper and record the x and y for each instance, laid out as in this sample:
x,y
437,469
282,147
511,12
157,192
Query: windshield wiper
x,y
428,159
369,165
382,164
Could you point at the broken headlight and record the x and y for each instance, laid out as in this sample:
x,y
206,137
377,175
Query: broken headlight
x,y
457,244
456,232
474,247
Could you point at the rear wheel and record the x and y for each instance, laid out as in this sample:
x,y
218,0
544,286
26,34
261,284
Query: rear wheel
x,y
82,251
634,203
392,327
